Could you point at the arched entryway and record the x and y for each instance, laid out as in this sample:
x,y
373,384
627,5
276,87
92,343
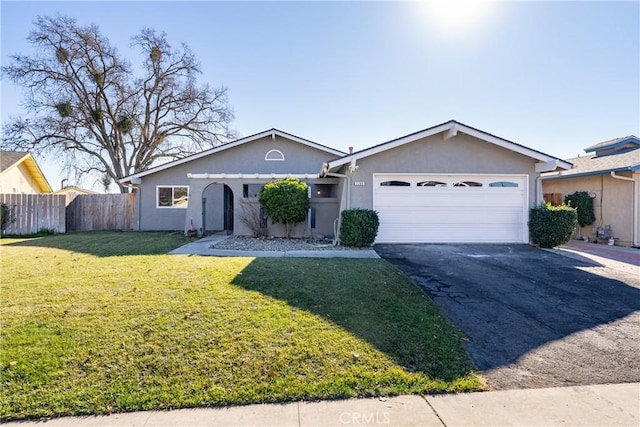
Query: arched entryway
x,y
217,208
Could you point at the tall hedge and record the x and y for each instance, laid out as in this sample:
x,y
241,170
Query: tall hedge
x,y
359,227
583,202
550,226
285,201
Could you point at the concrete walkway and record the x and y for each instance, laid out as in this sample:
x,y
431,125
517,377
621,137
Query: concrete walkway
x,y
203,247
598,405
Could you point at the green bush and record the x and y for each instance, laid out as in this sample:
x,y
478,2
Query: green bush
x,y
583,203
550,226
359,227
285,201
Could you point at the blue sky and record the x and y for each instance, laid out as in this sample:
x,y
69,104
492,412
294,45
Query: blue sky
x,y
554,76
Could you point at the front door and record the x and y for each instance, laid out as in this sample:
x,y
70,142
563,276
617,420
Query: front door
x,y
228,209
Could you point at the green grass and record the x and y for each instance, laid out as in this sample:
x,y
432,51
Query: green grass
x,y
101,322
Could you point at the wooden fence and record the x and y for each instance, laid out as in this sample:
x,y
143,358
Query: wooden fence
x,y
62,213
34,212
555,199
87,212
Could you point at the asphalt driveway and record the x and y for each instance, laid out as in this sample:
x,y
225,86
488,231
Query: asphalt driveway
x,y
532,318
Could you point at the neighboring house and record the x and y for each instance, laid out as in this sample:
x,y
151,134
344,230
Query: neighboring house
x,y
447,183
20,174
72,190
611,173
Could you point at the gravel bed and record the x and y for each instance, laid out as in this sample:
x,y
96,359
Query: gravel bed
x,y
245,243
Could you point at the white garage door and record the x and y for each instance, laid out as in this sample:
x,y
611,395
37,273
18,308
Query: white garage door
x,y
451,208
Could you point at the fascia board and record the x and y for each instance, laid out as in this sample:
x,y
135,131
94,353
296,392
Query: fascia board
x,y
514,147
612,145
558,175
195,156
270,132
38,176
388,145
448,126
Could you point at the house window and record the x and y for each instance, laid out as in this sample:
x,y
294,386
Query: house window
x,y
172,196
467,184
395,184
431,184
503,184
274,155
251,190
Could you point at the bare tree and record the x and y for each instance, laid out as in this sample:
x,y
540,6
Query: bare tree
x,y
85,103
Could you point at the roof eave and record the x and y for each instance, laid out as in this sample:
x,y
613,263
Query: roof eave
x,y
134,178
614,144
36,173
452,127
559,175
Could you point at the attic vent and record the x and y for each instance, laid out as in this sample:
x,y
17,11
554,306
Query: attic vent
x,y
274,155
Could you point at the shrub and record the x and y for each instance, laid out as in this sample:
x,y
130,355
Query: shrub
x,y
253,216
583,203
359,227
285,201
550,226
7,216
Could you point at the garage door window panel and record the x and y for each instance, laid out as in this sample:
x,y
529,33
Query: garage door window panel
x,y
438,184
503,184
467,184
395,183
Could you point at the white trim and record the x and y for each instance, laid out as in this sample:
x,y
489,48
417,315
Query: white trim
x,y
252,175
548,166
274,159
172,187
386,146
271,132
452,128
453,131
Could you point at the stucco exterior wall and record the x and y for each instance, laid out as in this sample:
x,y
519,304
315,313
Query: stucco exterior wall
x,y
18,180
460,154
326,208
247,159
613,202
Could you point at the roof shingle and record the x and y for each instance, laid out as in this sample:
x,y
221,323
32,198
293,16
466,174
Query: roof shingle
x,y
9,158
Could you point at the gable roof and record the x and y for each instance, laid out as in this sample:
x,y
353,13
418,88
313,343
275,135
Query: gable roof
x,y
73,189
626,161
452,127
273,132
613,143
12,159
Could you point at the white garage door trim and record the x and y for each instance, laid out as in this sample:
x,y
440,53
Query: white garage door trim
x,y
448,208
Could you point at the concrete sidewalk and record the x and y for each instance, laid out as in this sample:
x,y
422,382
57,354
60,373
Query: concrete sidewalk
x,y
620,258
203,247
597,405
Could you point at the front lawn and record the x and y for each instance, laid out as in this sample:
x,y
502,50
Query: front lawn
x,y
101,322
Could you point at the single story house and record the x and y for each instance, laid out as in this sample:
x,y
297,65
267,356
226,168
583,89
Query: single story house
x,y
610,172
447,183
20,174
